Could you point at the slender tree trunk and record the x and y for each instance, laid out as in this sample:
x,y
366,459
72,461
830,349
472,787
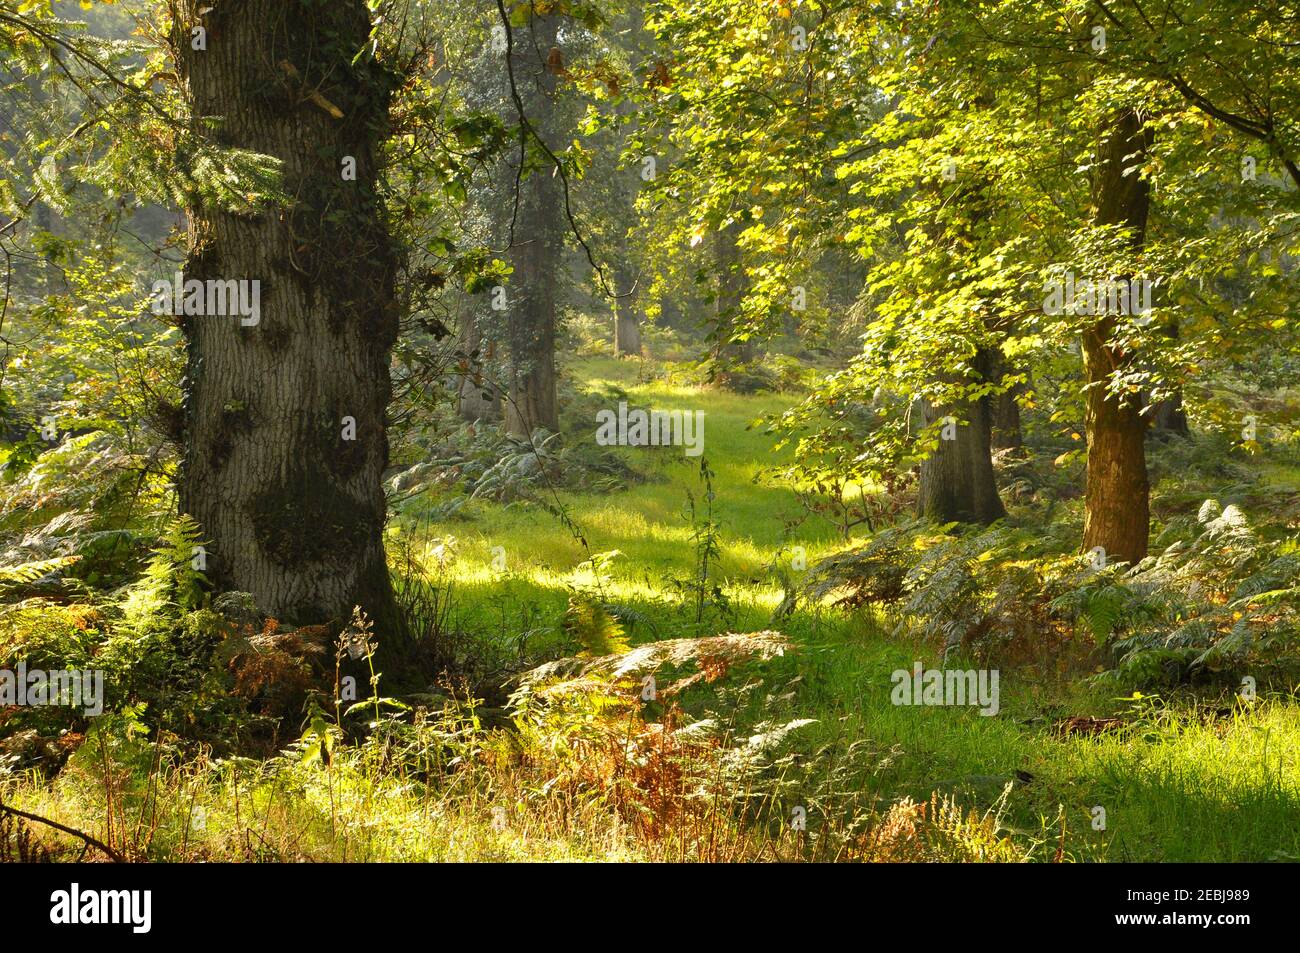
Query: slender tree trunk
x,y
627,310
476,396
538,248
728,354
1004,408
627,317
284,441
44,220
1117,505
957,482
1168,417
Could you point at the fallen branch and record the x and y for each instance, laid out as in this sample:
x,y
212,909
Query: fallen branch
x,y
100,845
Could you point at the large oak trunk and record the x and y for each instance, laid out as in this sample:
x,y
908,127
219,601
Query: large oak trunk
x,y
1117,506
288,496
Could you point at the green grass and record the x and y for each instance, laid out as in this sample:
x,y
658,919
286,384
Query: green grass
x,y
648,524
1179,779
1174,786
1179,782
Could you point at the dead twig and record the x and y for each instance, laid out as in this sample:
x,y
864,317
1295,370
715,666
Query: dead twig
x,y
86,838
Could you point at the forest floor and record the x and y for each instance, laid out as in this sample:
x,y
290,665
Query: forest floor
x,y
1068,769
1179,780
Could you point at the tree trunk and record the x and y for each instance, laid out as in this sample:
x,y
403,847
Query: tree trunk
x,y
957,483
1168,418
538,249
476,396
292,508
627,317
43,217
1005,411
533,402
1117,506
728,354
1116,509
627,330
1004,408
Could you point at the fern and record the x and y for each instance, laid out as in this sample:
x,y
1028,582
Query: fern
x,y
1221,599
1104,610
716,652
630,615
30,572
594,628
174,576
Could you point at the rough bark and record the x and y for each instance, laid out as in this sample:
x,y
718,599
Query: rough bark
x,y
292,510
957,483
1117,505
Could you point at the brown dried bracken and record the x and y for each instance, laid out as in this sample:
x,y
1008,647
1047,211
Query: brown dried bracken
x,y
17,845
1087,725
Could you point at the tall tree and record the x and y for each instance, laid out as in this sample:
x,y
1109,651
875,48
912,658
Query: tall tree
x,y
284,419
536,64
627,312
1005,407
634,44
1117,507
476,397
957,482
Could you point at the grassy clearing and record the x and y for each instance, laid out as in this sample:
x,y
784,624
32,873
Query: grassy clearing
x,y
1169,780
1179,779
647,523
